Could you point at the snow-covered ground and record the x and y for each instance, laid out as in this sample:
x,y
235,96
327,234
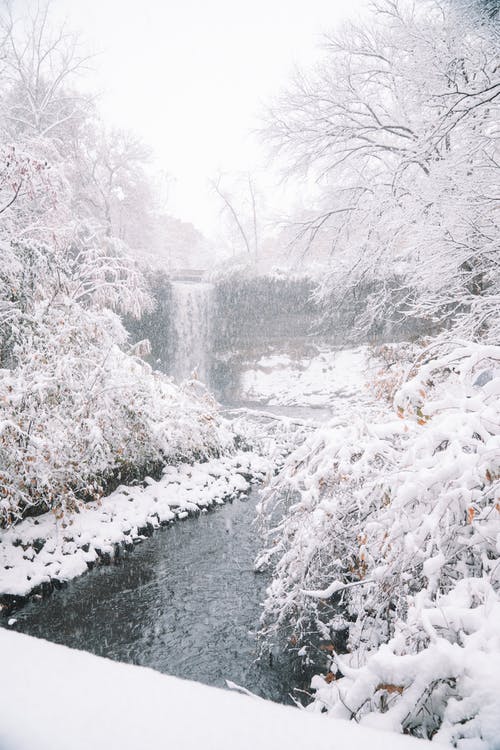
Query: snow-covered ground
x,y
60,699
321,380
49,548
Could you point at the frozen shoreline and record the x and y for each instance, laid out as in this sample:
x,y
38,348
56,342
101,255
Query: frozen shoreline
x,y
41,553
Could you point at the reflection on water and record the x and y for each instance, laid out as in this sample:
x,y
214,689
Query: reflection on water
x,y
185,602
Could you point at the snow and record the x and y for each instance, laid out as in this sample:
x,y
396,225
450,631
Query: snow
x,y
402,517
60,699
384,526
320,380
39,550
469,667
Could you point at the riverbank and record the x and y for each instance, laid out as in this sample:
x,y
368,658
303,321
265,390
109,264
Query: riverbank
x,y
131,707
41,553
395,517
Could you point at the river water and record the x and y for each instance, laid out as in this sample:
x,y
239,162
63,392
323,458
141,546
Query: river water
x,y
185,601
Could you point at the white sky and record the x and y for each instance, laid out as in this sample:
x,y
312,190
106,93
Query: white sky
x,y
191,77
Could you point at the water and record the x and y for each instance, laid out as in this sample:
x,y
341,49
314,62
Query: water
x,y
191,321
185,602
309,414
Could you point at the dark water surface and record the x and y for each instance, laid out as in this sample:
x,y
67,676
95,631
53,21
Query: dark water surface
x,y
186,602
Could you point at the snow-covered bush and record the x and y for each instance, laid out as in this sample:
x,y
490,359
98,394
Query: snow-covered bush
x,y
446,689
78,408
391,520
391,368
77,412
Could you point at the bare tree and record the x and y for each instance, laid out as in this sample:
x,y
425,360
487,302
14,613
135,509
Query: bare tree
x,y
40,63
240,203
110,180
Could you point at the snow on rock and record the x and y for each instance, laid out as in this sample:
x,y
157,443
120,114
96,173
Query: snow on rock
x,y
60,699
318,381
40,550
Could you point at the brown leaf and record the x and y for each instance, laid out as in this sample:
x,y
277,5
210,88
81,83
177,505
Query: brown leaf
x,y
389,688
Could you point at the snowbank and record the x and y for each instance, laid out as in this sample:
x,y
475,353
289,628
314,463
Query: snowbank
x,y
60,699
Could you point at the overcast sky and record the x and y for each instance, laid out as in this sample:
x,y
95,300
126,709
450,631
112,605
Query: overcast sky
x,y
191,77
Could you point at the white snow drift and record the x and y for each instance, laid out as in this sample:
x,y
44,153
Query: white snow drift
x,y
59,699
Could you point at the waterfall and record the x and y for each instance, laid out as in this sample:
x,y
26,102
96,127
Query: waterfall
x,y
191,322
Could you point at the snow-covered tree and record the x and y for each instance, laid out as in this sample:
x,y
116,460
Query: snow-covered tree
x,y
383,534
241,203
399,124
41,64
